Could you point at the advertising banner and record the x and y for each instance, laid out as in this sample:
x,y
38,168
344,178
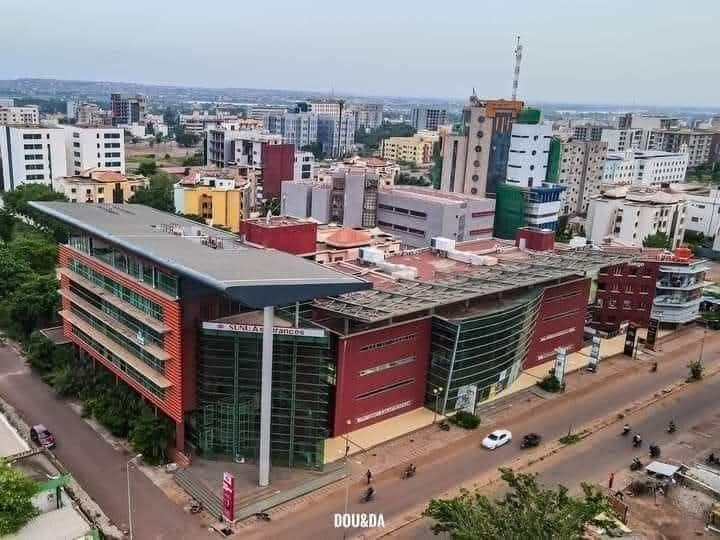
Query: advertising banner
x,y
651,334
595,352
228,497
559,368
629,348
466,398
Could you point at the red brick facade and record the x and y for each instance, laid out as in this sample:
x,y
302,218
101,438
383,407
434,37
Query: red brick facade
x,y
278,162
560,322
295,238
369,388
625,294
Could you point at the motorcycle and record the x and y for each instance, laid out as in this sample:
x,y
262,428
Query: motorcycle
x,y
626,430
637,442
654,367
671,427
263,516
636,464
530,440
712,459
444,425
409,472
368,496
654,451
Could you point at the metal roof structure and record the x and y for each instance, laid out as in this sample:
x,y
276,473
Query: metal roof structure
x,y
254,277
411,296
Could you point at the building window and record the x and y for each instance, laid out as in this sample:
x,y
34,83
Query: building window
x,y
386,366
386,388
388,343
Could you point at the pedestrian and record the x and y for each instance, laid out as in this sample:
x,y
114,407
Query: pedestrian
x,y
611,480
347,450
368,475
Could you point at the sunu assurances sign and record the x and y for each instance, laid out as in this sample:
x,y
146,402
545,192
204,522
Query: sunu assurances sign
x,y
258,329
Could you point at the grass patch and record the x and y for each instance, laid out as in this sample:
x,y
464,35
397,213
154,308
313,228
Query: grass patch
x,y
570,438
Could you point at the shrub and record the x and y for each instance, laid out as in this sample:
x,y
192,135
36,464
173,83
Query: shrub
x,y
149,435
696,370
465,420
549,384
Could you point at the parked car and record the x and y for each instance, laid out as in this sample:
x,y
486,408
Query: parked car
x,y
41,436
496,439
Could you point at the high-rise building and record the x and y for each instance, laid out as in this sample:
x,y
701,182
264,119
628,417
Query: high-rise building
x,y
89,114
367,115
474,159
31,155
619,140
696,142
94,148
588,132
529,149
28,115
127,110
300,129
336,134
429,118
580,167
305,166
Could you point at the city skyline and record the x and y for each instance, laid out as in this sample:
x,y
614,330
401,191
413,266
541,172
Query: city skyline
x,y
610,53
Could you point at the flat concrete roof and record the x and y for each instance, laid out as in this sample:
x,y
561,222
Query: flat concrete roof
x,y
253,277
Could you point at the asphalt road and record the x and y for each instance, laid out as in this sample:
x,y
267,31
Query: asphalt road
x,y
96,465
445,470
694,410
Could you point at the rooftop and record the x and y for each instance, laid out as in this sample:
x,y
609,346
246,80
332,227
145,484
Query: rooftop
x,y
452,281
426,193
251,276
643,154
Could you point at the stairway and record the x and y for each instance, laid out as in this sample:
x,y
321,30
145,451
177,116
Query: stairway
x,y
198,491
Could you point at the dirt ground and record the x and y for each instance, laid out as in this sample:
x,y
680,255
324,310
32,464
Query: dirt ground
x,y
135,152
678,516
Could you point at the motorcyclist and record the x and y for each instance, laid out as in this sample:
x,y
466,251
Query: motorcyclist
x,y
626,429
369,493
637,439
671,427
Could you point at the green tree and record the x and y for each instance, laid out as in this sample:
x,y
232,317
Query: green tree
x,y
16,493
40,352
31,305
12,273
716,172
150,434
7,225
186,139
316,149
405,179
36,250
528,510
157,194
147,167
436,172
372,139
197,159
16,201
657,240
194,217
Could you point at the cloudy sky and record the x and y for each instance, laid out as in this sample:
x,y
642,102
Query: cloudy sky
x,y
659,52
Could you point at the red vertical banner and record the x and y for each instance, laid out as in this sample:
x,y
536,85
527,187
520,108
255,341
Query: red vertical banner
x,y
228,496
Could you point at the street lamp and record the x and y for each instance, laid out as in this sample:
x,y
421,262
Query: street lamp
x,y
127,469
436,392
347,470
702,346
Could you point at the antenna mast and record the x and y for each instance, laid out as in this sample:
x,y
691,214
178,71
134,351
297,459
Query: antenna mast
x,y
518,59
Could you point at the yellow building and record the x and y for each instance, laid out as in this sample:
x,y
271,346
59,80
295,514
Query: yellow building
x,y
98,186
417,149
220,201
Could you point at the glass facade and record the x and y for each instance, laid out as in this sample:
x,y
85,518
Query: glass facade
x,y
475,356
128,264
148,307
227,421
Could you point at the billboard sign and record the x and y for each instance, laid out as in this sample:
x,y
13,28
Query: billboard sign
x,y
652,334
595,352
559,368
228,497
466,397
629,348
258,329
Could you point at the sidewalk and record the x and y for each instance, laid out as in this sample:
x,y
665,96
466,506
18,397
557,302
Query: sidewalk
x,y
409,423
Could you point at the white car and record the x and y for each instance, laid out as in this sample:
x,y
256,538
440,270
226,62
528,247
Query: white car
x,y
496,439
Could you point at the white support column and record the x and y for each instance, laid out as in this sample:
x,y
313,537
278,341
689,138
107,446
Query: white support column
x,y
266,395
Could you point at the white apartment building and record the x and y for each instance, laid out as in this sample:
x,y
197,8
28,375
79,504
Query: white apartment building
x,y
94,148
305,167
631,214
226,147
300,129
28,115
645,168
31,155
367,115
336,133
580,170
695,142
200,121
619,140
429,118
703,213
7,102
528,156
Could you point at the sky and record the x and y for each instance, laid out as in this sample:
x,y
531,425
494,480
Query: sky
x,y
643,52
